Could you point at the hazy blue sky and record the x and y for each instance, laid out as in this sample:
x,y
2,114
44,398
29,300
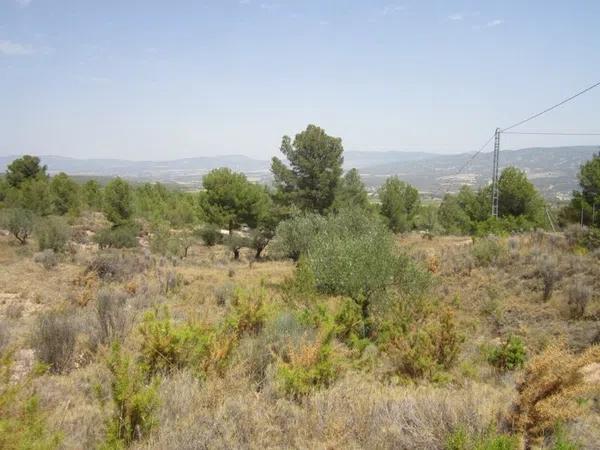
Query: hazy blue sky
x,y
150,79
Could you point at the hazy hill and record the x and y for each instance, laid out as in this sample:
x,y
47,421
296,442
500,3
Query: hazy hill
x,y
553,170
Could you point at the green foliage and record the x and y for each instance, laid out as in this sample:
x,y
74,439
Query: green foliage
x,y
230,200
487,251
22,421
120,236
352,255
589,195
518,197
510,355
19,223
135,402
165,242
312,179
310,367
399,204
235,243
167,347
460,439
295,235
52,233
64,195
156,203
117,203
210,234
351,193
32,194
25,168
91,193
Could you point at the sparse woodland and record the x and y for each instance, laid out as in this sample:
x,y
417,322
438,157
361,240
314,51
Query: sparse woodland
x,y
302,315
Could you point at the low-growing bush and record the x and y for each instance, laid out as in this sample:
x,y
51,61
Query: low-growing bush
x,y
487,251
53,340
135,401
47,258
552,390
114,320
579,295
210,235
548,271
235,243
52,233
508,356
310,367
167,347
120,236
111,266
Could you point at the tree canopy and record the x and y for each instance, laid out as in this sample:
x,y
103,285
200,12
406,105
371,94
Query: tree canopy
x,y
25,168
311,180
230,200
399,204
118,201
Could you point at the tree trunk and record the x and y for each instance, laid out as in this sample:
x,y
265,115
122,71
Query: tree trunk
x,y
236,253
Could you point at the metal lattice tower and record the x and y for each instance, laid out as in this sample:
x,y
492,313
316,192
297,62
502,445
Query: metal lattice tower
x,y
495,195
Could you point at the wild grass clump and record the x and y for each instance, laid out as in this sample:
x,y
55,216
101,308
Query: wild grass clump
x,y
547,269
487,251
579,295
113,266
510,355
114,320
47,258
53,340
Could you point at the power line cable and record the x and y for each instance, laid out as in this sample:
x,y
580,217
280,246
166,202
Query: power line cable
x,y
551,133
552,107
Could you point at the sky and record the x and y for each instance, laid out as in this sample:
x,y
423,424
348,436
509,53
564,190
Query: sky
x,y
152,79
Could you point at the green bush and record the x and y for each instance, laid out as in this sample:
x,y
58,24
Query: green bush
x,y
211,235
508,356
310,367
121,236
487,251
167,347
52,233
135,402
19,222
460,439
294,236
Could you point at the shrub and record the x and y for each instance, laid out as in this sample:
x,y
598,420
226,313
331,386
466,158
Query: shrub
x,y
508,356
310,367
487,251
210,235
579,294
462,440
121,236
223,293
19,223
422,350
135,402
235,243
547,270
551,390
167,347
113,318
47,259
114,266
52,233
53,339
294,236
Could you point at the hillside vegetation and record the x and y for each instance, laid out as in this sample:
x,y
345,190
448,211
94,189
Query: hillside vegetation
x,y
302,316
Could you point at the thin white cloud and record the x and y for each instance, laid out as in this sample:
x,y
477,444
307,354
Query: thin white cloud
x,y
456,16
391,9
9,48
490,24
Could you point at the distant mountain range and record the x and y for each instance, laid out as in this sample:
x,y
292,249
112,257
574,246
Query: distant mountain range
x,y
553,169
